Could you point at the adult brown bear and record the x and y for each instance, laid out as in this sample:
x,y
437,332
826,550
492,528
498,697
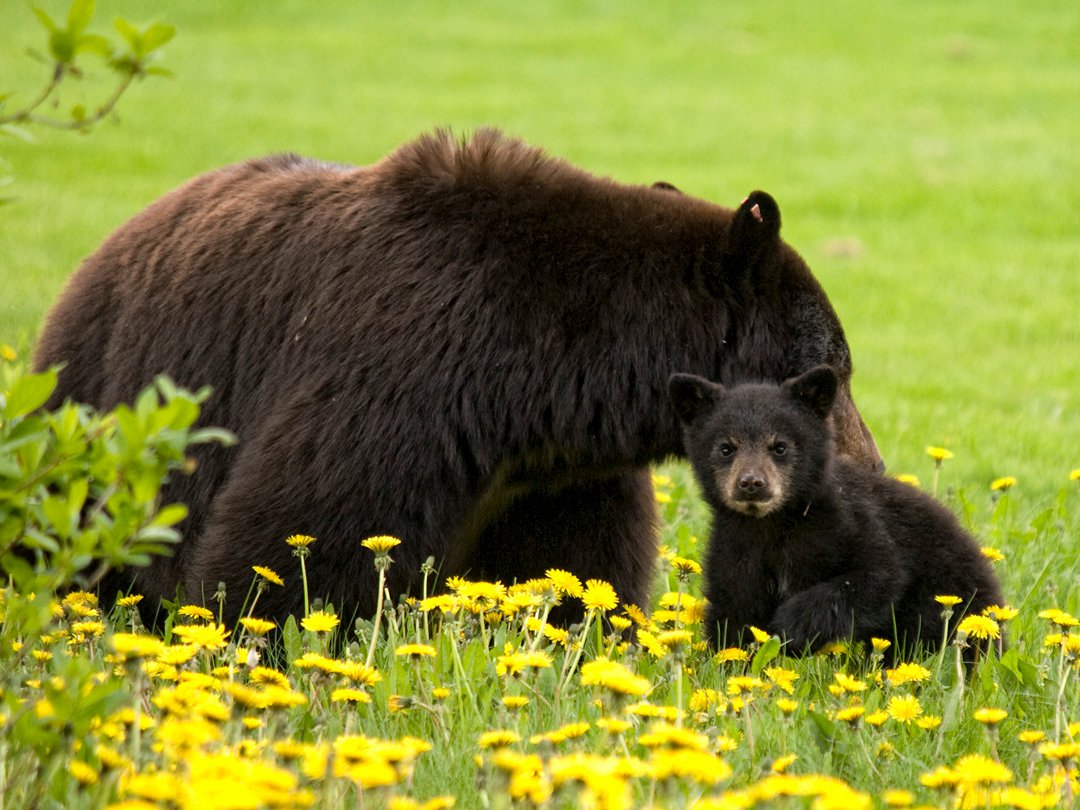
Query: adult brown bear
x,y
465,345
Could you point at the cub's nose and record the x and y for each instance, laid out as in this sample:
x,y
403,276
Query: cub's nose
x,y
751,484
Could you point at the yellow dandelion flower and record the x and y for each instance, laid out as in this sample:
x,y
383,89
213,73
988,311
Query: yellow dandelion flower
x,y
415,651
850,714
257,627
928,722
636,615
599,595
380,545
833,648
565,582
982,627
907,673
319,621
705,699
268,574
83,773
440,693
1059,617
444,603
557,635
784,678
1060,751
786,705
990,717
909,479
613,725
7,353
992,554
876,718
1000,613
760,636
129,601
685,566
898,798
941,776
675,638
645,709
1031,736
350,695
615,677
358,672
299,540
702,767
196,612
938,454
267,675
515,702
202,636
948,601
781,764
177,655
977,769
880,645
620,623
669,736
1003,484
132,645
490,592
847,683
729,654
904,708
743,684
499,738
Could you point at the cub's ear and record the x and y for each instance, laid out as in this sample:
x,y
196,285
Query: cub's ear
x,y
755,225
692,396
664,185
815,388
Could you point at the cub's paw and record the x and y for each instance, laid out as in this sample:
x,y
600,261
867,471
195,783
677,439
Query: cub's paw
x,y
812,619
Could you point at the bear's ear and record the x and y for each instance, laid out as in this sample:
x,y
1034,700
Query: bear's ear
x,y
692,396
756,223
816,389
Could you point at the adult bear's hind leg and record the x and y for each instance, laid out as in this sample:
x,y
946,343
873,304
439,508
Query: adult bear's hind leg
x,y
603,528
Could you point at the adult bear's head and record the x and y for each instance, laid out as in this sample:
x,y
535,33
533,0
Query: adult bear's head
x,y
782,322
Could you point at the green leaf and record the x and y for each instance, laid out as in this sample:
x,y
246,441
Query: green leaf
x,y
79,15
46,20
769,650
825,728
156,35
170,515
293,640
62,46
128,31
29,393
223,437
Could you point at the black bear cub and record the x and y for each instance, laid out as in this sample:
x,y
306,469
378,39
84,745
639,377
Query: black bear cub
x,y
807,545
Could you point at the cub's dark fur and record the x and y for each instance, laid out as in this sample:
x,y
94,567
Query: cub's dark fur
x,y
806,544
465,345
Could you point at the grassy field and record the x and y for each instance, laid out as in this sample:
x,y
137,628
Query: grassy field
x,y
924,157
926,161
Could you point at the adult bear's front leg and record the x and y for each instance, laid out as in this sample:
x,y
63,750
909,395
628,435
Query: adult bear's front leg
x,y
603,528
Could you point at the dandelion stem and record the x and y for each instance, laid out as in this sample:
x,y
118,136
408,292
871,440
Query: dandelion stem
x,y
303,576
378,618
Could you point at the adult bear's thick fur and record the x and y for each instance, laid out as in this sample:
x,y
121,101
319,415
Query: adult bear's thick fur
x,y
465,345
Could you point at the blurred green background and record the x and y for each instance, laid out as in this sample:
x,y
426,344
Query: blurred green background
x,y
926,157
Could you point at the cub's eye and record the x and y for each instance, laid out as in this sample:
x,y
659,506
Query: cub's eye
x,y
726,450
779,449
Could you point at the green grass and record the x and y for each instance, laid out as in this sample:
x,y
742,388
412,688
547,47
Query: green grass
x,y
933,143
924,155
